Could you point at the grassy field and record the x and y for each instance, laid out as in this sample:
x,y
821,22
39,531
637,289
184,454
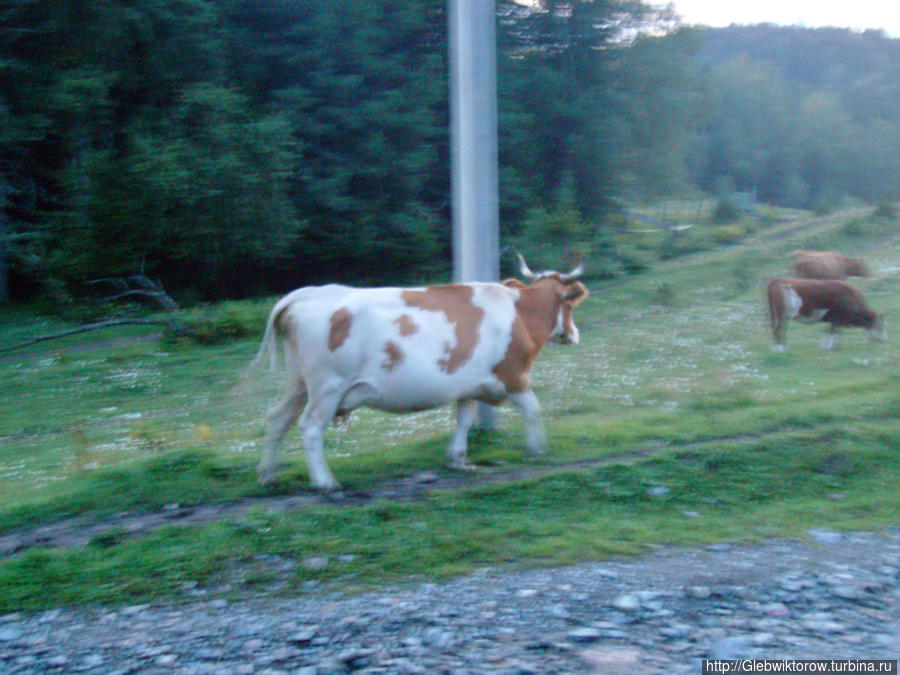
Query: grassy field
x,y
729,440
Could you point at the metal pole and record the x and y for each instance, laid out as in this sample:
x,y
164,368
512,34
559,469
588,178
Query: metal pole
x,y
473,140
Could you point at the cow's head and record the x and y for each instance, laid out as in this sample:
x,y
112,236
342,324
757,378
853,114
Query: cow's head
x,y
569,293
878,329
856,268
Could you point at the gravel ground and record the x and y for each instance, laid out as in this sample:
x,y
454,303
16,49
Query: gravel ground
x,y
829,596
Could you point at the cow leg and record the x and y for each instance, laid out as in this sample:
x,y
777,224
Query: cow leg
x,y
279,420
830,341
535,437
316,417
465,418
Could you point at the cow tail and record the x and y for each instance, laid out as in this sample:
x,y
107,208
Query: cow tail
x,y
272,346
775,297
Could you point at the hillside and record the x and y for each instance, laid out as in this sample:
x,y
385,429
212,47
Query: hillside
x,y
673,402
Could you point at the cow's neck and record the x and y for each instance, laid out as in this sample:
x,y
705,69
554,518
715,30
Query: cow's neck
x,y
538,306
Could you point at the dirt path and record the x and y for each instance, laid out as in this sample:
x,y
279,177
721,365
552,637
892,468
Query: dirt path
x,y
79,530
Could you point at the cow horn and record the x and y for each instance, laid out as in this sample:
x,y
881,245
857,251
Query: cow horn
x,y
523,268
574,274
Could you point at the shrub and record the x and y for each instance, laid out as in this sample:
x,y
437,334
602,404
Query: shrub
x,y
213,324
728,234
726,211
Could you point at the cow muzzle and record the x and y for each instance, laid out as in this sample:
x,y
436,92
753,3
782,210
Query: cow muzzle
x,y
569,338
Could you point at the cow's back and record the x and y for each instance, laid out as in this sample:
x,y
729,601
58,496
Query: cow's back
x,y
836,301
403,348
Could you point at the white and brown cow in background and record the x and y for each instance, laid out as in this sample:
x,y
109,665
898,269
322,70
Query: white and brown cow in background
x,y
827,265
409,349
813,300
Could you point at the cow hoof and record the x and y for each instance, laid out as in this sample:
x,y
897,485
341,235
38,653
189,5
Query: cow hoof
x,y
463,466
335,494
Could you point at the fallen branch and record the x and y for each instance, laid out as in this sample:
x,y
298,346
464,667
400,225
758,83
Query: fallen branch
x,y
137,286
175,326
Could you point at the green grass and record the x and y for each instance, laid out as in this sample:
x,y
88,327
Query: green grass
x,y
681,380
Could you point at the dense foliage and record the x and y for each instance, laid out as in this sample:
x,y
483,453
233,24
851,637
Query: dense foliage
x,y
232,147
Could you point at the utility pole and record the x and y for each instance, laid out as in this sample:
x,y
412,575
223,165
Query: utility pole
x,y
473,142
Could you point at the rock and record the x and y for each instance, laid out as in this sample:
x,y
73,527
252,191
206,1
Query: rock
x,y
627,603
253,645
50,615
316,562
93,661
356,658
303,637
822,623
8,634
425,477
437,638
775,609
676,630
584,634
825,536
658,491
763,639
792,585
846,592
613,660
730,648
698,592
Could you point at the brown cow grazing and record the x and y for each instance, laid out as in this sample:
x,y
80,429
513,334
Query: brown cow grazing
x,y
827,265
813,300
408,349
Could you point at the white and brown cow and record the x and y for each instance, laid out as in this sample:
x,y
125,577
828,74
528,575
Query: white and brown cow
x,y
813,300
827,265
410,349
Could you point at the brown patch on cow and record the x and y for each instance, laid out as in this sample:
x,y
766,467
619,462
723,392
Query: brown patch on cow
x,y
455,302
340,328
515,368
394,356
406,325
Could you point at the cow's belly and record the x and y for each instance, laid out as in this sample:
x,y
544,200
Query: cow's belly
x,y
813,316
410,392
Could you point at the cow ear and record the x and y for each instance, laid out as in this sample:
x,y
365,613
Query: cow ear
x,y
575,293
513,283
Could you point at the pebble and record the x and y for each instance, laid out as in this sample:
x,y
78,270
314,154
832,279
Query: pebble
x,y
584,634
627,603
10,634
826,536
782,599
699,592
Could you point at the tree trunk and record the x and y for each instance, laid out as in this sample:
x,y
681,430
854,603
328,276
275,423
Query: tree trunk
x,y
4,250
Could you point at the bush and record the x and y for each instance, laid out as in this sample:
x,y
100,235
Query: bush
x,y
728,234
214,324
726,211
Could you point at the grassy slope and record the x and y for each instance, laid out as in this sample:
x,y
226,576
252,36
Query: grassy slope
x,y
748,443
